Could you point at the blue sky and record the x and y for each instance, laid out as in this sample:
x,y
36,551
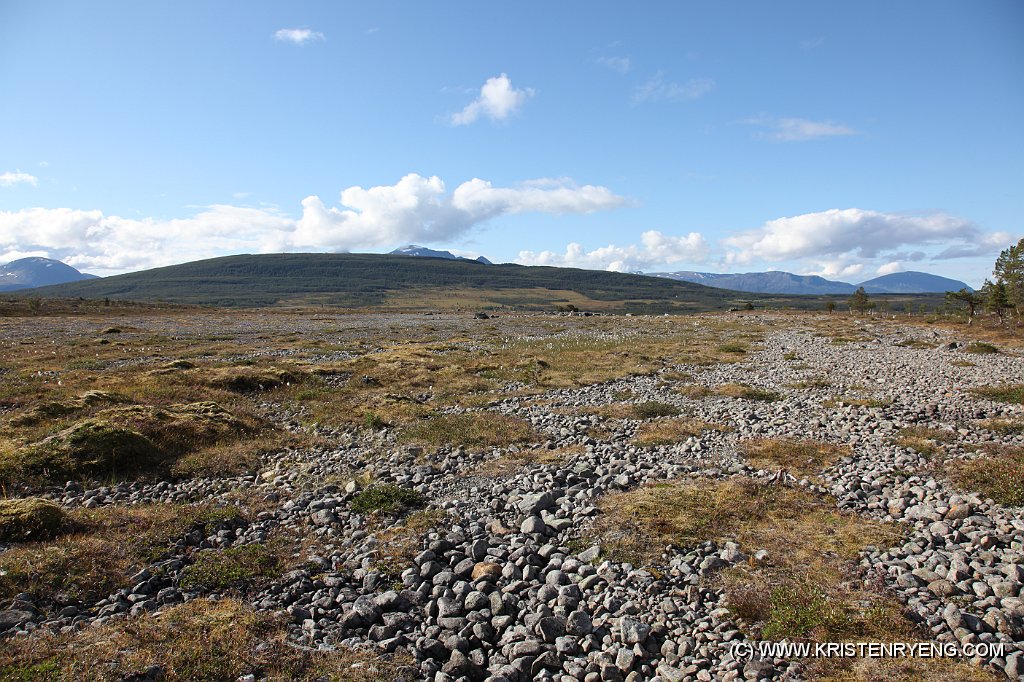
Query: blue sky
x,y
837,139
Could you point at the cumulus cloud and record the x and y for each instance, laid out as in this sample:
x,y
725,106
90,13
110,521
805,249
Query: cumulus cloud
x,y
655,249
798,129
657,88
415,209
856,232
298,36
10,178
418,209
497,101
890,268
620,64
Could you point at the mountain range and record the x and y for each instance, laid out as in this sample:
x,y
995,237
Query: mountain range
x,y
424,252
776,282
27,273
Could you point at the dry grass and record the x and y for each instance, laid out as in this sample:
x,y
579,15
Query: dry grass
x,y
473,429
1006,393
669,431
398,545
196,641
855,401
926,441
803,591
800,457
107,545
510,463
125,442
997,474
746,392
1004,427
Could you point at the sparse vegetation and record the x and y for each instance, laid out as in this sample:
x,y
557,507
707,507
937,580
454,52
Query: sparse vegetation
x,y
653,409
924,440
200,641
234,567
1007,393
981,348
30,519
386,499
669,431
998,474
747,392
799,457
486,429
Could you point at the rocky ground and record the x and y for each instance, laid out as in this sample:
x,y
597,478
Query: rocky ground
x,y
505,583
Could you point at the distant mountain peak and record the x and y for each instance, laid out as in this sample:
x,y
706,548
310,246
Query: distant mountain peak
x,y
36,271
424,252
779,282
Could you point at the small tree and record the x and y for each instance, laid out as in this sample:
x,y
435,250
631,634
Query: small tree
x,y
1009,271
860,302
967,298
996,300
830,307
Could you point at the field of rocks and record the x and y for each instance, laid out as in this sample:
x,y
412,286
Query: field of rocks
x,y
303,494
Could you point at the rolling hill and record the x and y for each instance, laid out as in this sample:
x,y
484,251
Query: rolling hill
x,y
360,280
777,282
911,282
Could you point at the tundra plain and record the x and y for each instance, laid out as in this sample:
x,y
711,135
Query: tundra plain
x,y
306,494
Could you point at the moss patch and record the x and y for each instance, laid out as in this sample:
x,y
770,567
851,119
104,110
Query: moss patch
x,y
30,519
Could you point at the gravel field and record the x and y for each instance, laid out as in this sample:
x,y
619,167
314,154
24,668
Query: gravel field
x,y
510,581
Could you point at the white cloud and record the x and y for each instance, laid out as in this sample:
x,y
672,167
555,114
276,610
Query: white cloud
x,y
418,209
299,36
812,43
656,88
415,209
890,268
497,101
17,177
798,129
620,64
856,232
655,249
834,269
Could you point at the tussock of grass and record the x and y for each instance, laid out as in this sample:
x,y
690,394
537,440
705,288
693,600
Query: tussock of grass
x,y
124,441
855,401
511,462
487,429
652,409
668,431
30,519
998,474
104,546
1006,393
196,641
799,457
234,567
746,392
737,348
1004,427
386,499
815,382
926,441
249,379
802,592
981,348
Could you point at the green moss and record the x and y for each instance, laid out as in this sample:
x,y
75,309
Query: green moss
x,y
30,519
220,569
92,447
386,499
